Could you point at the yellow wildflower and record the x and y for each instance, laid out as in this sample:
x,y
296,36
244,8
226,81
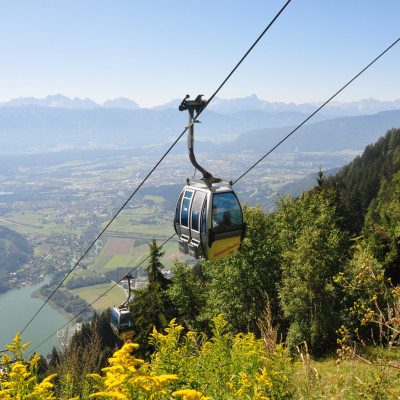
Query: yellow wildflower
x,y
127,377
190,394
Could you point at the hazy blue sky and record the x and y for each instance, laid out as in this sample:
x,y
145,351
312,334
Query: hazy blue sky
x,y
156,50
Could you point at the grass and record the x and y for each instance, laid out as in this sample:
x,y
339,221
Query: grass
x,y
115,296
31,222
345,379
99,263
117,261
27,218
42,250
80,273
155,199
103,263
134,212
147,229
137,255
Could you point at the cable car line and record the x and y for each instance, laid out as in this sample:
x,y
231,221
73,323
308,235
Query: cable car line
x,y
240,177
99,297
317,110
179,137
209,218
247,53
105,228
240,61
156,165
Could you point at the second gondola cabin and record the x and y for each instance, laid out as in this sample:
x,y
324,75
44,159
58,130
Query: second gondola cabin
x,y
209,221
121,321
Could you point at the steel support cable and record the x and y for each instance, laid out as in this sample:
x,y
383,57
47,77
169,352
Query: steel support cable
x,y
317,110
242,59
105,228
98,298
158,163
240,177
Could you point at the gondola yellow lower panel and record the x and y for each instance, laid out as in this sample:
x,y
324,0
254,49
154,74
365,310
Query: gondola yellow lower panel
x,y
223,248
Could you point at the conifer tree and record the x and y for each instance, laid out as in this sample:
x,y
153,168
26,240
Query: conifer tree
x,y
358,183
382,227
314,248
241,286
189,294
152,306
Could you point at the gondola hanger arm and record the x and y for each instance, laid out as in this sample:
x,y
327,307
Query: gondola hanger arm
x,y
197,105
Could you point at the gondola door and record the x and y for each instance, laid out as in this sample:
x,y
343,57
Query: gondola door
x,y
195,243
227,227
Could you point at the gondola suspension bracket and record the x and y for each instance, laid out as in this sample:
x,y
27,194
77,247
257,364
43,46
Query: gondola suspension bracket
x,y
197,106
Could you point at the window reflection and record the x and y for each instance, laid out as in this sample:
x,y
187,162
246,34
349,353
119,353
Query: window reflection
x,y
226,212
185,209
126,321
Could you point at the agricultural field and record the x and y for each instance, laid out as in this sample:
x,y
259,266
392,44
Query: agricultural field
x,y
62,206
115,295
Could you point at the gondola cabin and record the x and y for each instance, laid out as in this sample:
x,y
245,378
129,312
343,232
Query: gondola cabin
x,y
121,321
209,221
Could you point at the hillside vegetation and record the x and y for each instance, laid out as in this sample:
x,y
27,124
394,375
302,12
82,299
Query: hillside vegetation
x,y
15,251
315,280
358,183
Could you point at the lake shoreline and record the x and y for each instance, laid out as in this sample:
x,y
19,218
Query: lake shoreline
x,y
18,306
37,295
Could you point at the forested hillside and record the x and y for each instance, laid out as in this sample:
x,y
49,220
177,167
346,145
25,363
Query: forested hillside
x,y
14,252
320,274
358,183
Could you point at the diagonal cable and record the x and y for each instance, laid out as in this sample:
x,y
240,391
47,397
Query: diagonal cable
x,y
99,297
242,59
158,163
317,110
101,233
240,177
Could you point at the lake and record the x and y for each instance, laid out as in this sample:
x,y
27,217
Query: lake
x,y
17,308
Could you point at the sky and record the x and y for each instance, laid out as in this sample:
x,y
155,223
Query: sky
x,y
154,51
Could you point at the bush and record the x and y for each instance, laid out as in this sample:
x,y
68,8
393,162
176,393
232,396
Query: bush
x,y
226,366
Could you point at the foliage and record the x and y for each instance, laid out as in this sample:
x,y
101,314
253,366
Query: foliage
x,y
377,307
377,304
240,286
287,259
189,294
87,352
20,380
128,377
382,227
79,282
189,366
226,366
15,251
354,272
358,183
77,362
314,246
152,306
71,303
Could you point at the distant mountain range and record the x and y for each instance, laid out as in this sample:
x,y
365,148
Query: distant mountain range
x,y
60,101
57,123
222,106
335,135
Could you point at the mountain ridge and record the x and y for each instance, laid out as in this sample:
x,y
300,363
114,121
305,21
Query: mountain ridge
x,y
222,106
33,128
